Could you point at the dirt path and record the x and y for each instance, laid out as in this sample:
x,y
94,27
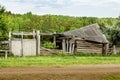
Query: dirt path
x,y
59,73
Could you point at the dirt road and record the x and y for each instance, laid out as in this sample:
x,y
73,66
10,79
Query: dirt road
x,y
90,72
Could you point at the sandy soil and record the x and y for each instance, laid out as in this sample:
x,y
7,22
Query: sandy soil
x,y
90,72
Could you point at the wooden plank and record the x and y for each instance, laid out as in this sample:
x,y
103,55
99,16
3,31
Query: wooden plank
x,y
23,33
67,42
31,33
3,50
89,47
114,49
73,47
38,43
90,51
63,46
54,40
6,53
70,47
10,49
4,42
49,34
22,44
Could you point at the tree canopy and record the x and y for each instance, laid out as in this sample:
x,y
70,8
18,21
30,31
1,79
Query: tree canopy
x,y
3,26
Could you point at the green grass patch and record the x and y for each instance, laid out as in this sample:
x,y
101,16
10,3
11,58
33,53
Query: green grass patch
x,y
58,60
111,77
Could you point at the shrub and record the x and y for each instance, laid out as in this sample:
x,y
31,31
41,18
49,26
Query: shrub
x,y
49,45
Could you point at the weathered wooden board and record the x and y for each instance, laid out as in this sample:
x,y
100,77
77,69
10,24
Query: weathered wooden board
x,y
89,47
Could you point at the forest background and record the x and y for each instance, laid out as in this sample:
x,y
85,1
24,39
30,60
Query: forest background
x,y
55,23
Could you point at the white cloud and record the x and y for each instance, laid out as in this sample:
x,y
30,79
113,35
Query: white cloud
x,y
65,7
94,2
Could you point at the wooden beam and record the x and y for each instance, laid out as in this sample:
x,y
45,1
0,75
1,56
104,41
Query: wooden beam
x,y
73,47
6,53
22,44
70,47
104,49
38,42
114,50
10,49
47,34
54,39
67,42
33,34
63,46
23,33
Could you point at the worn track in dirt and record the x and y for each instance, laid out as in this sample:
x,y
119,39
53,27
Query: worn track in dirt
x,y
87,72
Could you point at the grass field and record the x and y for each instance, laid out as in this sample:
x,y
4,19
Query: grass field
x,y
58,60
111,77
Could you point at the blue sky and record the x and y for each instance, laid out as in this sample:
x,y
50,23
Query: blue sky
x,y
97,8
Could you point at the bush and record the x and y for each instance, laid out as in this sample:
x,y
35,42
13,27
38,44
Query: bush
x,y
49,45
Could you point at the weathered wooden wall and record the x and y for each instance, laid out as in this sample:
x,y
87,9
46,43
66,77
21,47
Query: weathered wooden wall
x,y
89,47
28,45
22,46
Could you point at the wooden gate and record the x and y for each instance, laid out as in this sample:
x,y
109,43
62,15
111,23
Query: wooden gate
x,y
24,47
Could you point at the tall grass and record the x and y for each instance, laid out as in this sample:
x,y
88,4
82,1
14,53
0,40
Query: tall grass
x,y
58,60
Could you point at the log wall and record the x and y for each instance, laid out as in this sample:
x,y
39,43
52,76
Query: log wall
x,y
89,47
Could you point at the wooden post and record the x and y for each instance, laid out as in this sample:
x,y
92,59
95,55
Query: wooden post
x,y
33,34
38,42
104,49
73,47
54,38
22,54
70,47
6,54
67,45
114,50
10,50
63,46
107,47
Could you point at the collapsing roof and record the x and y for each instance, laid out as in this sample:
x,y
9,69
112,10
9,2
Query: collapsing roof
x,y
89,33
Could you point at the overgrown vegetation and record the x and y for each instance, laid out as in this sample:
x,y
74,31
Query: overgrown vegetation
x,y
49,45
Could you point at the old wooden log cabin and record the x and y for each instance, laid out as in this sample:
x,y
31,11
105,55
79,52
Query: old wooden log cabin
x,y
87,39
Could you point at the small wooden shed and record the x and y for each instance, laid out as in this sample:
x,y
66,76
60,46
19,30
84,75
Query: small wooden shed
x,y
88,39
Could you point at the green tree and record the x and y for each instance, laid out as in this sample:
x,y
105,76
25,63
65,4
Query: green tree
x,y
3,27
115,33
